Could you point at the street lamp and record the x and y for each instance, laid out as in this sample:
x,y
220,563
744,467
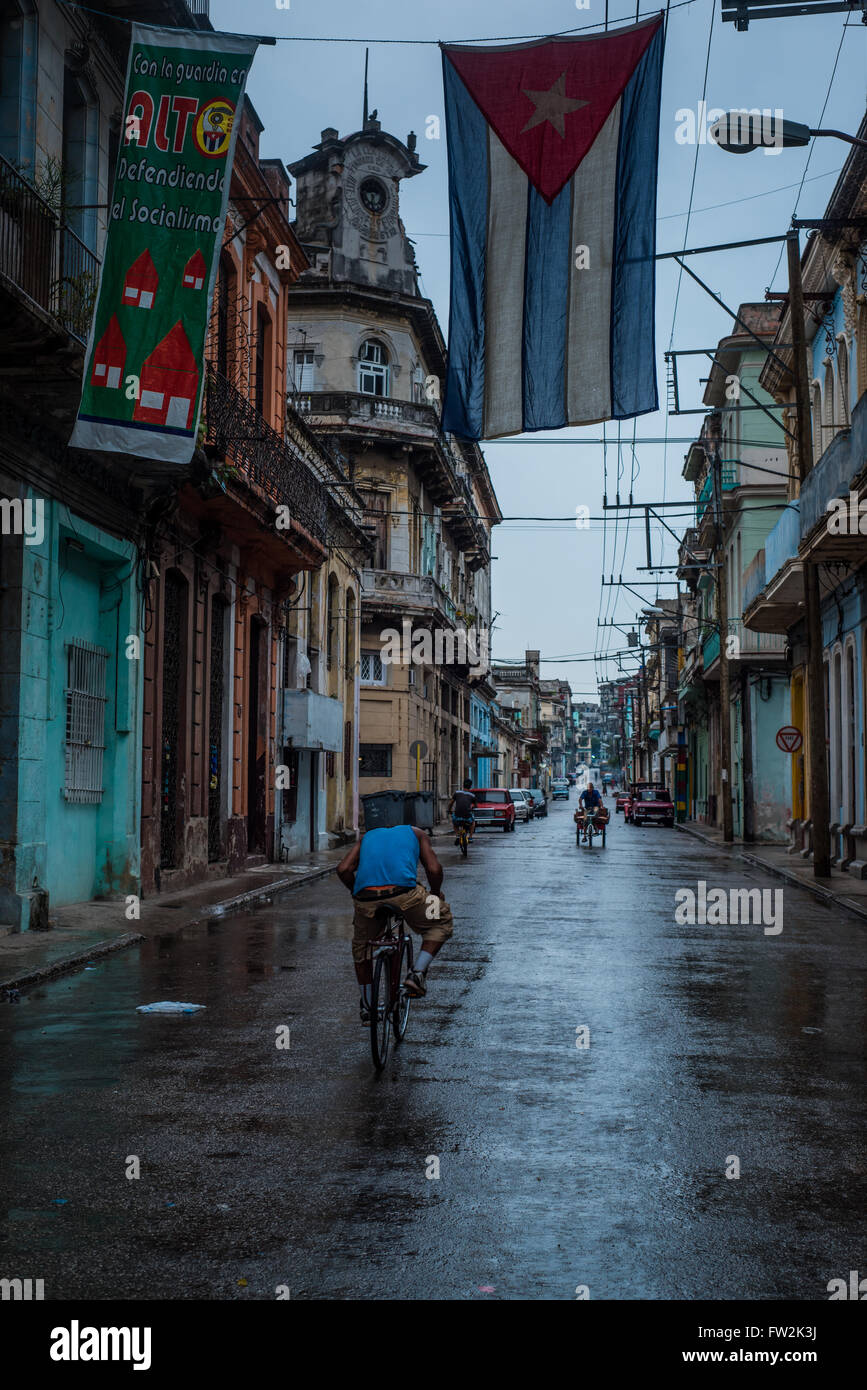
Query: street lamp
x,y
741,132
738,132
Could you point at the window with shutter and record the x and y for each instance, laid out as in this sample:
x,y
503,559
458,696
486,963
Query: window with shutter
x,y
85,722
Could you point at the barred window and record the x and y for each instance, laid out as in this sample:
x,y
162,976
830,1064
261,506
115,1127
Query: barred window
x,y
374,760
85,722
372,669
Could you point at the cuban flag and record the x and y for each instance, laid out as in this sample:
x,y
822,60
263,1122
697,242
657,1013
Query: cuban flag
x,y
552,152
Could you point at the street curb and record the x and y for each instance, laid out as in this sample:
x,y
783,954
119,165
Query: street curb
x,y
77,959
254,895
71,962
826,895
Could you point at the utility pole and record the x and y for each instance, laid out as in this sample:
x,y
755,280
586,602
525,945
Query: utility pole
x,y
724,683
747,740
819,811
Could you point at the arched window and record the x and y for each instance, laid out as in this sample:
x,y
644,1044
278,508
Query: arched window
x,y
373,368
842,382
19,35
262,384
828,401
861,337
80,158
818,446
331,618
349,658
849,771
224,346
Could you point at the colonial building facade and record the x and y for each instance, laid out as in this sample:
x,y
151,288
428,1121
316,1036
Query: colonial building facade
x,y
364,372
179,688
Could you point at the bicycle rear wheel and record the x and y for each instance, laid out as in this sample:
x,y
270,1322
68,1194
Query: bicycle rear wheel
x,y
464,842
380,1011
404,999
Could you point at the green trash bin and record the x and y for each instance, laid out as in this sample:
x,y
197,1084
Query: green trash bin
x,y
383,809
418,809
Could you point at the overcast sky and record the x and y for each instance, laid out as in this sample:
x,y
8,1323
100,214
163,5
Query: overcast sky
x,y
546,577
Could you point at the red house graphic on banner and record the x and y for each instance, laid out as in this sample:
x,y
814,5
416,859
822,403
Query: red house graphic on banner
x,y
169,383
109,357
194,272
141,282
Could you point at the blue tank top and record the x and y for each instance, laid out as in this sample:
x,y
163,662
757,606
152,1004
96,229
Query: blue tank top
x,y
389,855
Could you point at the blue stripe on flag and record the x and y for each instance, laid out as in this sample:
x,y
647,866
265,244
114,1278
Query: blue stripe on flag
x,y
546,309
633,361
467,135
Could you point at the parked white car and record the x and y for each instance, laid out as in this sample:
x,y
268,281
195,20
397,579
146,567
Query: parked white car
x,y
522,803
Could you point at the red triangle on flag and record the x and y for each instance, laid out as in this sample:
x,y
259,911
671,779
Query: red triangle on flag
x,y
547,101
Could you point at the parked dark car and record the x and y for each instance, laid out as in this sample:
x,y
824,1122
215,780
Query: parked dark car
x,y
540,803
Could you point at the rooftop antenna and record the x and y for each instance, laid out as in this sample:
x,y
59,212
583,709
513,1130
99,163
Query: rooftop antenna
x,y
366,52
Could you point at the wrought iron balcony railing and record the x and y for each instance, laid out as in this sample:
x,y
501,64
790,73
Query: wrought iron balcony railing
x,y
43,256
236,432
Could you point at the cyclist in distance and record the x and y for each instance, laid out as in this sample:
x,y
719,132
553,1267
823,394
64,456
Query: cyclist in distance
x,y
464,807
381,869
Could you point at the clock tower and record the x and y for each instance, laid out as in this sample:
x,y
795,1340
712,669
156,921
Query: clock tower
x,y
347,201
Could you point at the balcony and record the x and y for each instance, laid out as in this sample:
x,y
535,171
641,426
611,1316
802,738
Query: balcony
x,y
729,483
462,518
754,577
44,267
247,449
749,646
386,418
777,602
831,477
405,595
312,721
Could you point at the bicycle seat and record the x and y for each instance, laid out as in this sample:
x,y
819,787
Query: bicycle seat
x,y
387,913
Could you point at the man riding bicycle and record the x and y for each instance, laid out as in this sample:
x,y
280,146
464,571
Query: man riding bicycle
x,y
464,807
381,870
589,800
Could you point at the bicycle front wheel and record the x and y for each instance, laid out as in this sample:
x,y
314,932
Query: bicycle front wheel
x,y
380,1011
404,998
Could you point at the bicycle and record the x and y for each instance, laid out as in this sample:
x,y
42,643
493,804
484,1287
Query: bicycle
x,y
462,830
588,824
392,958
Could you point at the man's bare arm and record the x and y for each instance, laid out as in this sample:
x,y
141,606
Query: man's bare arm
x,y
432,866
348,865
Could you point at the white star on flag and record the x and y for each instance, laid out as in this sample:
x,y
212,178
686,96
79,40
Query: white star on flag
x,y
553,106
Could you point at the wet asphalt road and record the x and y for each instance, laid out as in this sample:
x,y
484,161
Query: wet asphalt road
x,y
558,1166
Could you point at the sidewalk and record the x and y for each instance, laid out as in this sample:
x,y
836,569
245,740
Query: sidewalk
x,y
840,890
81,932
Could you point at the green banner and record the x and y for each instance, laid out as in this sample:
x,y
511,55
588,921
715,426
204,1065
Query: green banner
x,y
143,370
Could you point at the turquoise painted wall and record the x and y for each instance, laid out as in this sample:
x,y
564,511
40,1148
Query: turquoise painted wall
x,y
79,584
772,775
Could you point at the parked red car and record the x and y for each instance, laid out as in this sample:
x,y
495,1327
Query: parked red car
x,y
494,808
630,795
652,806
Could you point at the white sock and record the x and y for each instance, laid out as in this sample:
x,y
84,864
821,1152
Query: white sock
x,y
423,961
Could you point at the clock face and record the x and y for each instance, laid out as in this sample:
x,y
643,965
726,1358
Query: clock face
x,y
373,195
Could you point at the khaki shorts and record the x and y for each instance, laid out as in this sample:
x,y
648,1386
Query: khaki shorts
x,y
415,904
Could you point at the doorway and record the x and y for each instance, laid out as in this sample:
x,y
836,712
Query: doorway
x,y
257,726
